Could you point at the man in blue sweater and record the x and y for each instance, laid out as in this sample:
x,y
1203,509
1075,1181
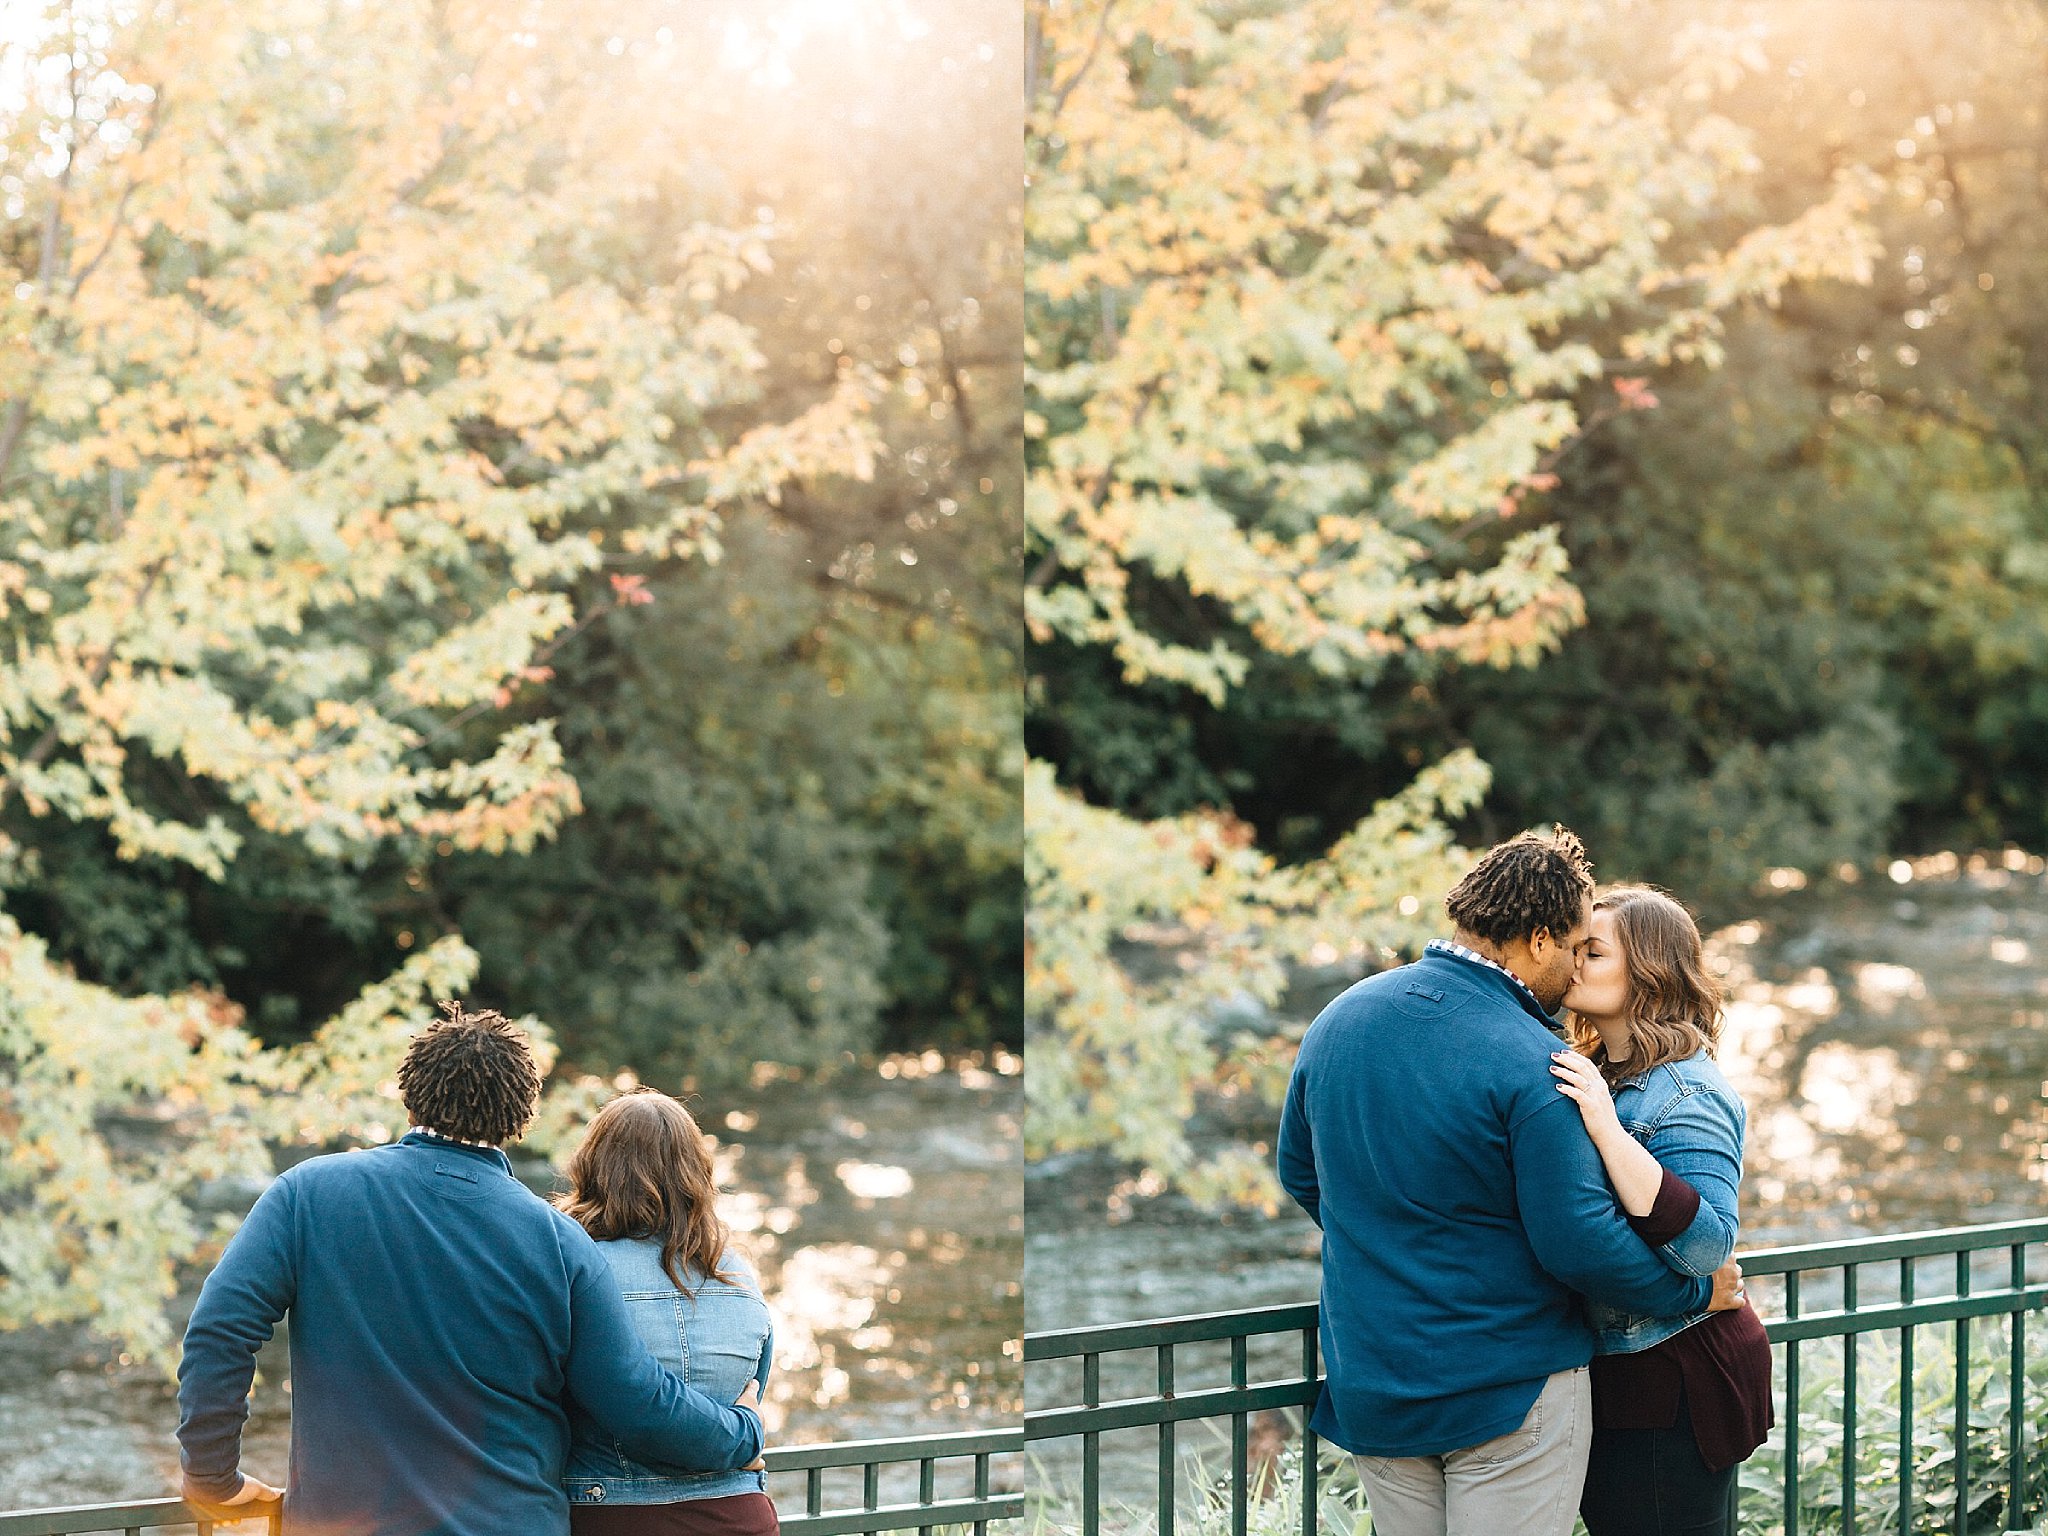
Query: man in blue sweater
x,y
1464,1210
441,1317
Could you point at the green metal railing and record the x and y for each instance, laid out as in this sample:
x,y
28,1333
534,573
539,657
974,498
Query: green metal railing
x,y
1173,1404
956,1477
1259,1368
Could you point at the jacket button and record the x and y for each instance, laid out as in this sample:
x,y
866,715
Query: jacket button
x,y
596,1492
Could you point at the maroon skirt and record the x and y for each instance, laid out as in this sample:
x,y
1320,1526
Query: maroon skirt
x,y
741,1514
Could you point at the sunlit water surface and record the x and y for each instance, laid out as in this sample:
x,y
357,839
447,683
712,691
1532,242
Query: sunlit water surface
x,y
885,1215
1890,1037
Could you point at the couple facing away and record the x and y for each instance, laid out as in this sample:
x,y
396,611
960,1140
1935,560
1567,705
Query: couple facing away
x,y
1530,1308
468,1359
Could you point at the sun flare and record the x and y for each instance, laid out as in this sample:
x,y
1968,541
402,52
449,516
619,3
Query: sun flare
x,y
760,43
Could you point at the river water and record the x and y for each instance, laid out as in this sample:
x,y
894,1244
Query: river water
x,y
883,1208
1889,1036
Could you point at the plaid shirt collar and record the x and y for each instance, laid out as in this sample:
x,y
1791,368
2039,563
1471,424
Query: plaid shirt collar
x,y
460,1141
1458,951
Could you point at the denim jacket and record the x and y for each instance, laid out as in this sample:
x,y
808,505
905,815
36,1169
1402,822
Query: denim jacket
x,y
1692,1122
715,1338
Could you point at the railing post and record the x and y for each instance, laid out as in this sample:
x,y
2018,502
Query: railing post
x,y
1792,1410
1311,1500
2015,1402
1906,1403
1849,1343
1240,1444
1091,1449
1169,1451
1962,1416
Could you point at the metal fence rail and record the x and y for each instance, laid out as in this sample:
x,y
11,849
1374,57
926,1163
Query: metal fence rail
x,y
965,1463
975,1505
1877,1286
133,1518
1167,1408
1856,1293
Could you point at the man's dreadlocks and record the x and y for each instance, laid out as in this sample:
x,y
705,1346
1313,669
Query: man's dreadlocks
x,y
471,1076
1521,885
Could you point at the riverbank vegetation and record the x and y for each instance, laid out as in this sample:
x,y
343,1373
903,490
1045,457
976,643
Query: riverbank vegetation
x,y
1474,422
487,514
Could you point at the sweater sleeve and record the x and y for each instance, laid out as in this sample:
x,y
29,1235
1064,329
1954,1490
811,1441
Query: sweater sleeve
x,y
655,1416
1295,1152
1575,1227
249,1291
1676,1204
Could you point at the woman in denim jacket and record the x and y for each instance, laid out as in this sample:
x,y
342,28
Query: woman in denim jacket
x,y
1678,1402
642,1185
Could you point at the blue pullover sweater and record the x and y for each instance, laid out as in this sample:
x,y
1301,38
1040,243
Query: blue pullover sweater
x,y
1462,1206
441,1316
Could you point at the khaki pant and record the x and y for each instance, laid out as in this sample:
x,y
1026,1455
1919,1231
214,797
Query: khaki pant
x,y
1524,1483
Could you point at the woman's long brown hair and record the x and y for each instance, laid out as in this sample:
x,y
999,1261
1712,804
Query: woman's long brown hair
x,y
1674,1004
643,1171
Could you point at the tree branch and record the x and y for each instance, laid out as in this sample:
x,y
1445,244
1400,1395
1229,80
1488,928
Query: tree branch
x,y
1059,100
78,281
46,743
16,424
1098,493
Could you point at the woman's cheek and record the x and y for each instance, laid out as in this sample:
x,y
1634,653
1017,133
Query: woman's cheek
x,y
1601,985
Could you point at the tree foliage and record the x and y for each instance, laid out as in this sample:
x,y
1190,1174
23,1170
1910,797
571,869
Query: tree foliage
x,y
366,369
1812,575
1319,301
866,838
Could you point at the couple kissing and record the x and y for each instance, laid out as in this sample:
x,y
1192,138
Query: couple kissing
x,y
1530,1309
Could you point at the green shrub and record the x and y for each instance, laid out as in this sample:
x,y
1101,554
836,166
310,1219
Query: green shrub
x,y
1877,1439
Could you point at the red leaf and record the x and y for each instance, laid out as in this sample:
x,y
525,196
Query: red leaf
x,y
631,590
1635,394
